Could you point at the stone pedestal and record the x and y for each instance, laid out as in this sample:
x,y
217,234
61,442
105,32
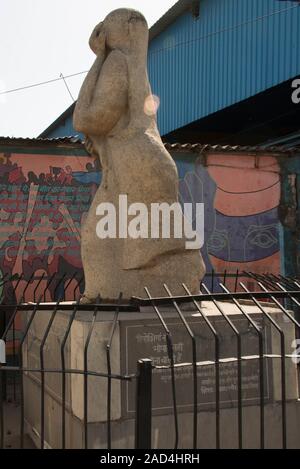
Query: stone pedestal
x,y
140,335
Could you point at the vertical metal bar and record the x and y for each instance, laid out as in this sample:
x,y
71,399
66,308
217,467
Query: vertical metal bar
x,y
4,280
47,331
42,346
283,374
68,283
108,360
171,358
288,282
217,363
258,277
296,310
11,323
77,287
35,289
236,280
261,364
85,377
283,393
143,417
282,348
2,377
56,286
267,279
11,319
239,367
63,368
22,299
1,410
291,297
14,359
194,359
22,416
14,331
48,285
224,277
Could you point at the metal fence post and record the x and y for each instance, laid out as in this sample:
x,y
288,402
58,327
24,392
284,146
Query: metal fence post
x,y
143,418
2,362
2,329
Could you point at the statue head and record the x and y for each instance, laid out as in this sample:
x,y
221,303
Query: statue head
x,y
118,29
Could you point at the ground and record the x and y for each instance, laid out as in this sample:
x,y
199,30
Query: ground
x,y
12,427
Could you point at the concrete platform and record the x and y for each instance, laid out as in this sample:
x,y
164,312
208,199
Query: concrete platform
x,y
140,335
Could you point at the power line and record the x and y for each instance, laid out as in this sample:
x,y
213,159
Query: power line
x,y
66,84
232,28
224,30
42,83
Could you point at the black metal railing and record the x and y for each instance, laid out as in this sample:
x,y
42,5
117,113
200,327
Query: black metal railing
x,y
65,287
280,289
233,298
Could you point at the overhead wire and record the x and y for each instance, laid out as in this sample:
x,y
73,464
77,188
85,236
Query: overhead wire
x,y
232,28
42,83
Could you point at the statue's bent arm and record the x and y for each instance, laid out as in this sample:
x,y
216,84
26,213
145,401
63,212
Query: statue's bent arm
x,y
103,97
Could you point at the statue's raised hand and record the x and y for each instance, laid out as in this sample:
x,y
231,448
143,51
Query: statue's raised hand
x,y
89,146
98,39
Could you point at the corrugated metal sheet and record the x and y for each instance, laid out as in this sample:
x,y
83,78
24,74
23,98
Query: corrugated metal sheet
x,y
207,148
60,129
233,50
172,147
72,140
62,126
170,16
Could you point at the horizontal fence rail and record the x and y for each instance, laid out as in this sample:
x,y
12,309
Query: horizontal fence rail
x,y
236,299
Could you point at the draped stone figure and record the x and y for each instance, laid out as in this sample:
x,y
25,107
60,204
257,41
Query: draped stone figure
x,y
112,111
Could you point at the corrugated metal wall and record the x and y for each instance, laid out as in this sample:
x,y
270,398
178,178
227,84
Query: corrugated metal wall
x,y
233,50
65,129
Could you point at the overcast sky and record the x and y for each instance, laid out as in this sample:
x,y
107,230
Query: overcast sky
x,y
39,40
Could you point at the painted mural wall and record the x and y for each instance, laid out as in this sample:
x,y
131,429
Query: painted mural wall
x,y
45,198
241,195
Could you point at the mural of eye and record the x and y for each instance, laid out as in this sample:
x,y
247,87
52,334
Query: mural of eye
x,y
217,242
262,238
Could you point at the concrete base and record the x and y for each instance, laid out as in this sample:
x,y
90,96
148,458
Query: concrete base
x,y
140,335
163,436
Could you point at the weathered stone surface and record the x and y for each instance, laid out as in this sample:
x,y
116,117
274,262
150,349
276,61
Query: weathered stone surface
x,y
113,111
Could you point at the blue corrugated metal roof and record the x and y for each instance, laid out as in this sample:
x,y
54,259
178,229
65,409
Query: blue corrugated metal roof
x,y
233,50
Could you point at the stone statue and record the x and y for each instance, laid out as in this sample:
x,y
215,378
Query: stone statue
x,y
113,112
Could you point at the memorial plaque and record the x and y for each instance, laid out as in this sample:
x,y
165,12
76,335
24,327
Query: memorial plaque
x,y
148,340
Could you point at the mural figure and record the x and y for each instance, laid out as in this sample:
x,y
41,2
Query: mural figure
x,y
40,217
40,224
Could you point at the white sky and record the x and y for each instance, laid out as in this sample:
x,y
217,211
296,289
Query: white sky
x,y
39,39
